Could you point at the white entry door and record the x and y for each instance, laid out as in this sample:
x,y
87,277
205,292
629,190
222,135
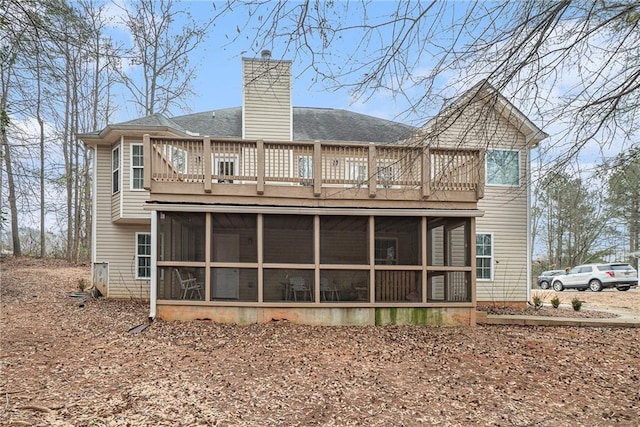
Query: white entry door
x,y
226,280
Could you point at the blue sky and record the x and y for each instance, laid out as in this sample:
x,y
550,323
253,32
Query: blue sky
x,y
218,65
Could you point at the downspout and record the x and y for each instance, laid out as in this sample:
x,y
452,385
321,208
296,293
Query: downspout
x,y
153,292
529,248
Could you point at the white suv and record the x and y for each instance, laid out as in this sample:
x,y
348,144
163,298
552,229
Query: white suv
x,y
597,277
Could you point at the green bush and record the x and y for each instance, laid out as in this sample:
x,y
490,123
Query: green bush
x,y
576,304
537,302
555,302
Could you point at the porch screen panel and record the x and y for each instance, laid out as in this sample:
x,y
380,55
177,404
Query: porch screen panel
x,y
288,239
398,286
344,240
181,283
449,242
344,286
182,236
288,285
459,245
234,284
449,286
398,240
234,237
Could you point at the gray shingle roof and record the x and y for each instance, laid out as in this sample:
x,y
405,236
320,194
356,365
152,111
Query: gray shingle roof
x,y
324,124
153,120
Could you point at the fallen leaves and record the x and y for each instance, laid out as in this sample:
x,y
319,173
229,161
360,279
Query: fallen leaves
x,y
84,368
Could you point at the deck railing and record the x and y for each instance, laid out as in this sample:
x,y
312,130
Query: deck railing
x,y
312,164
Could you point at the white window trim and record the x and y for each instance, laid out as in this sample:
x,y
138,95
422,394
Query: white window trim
x,y
390,165
172,153
307,160
216,158
486,168
138,256
351,166
118,169
132,167
490,257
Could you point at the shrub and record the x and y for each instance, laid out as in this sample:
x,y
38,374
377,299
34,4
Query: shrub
x,y
555,302
576,303
537,302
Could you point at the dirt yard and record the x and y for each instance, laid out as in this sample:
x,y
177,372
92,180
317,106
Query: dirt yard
x,y
66,365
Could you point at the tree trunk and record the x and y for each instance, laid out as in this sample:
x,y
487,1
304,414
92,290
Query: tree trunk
x,y
15,230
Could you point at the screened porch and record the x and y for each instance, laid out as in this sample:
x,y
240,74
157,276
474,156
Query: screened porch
x,y
253,259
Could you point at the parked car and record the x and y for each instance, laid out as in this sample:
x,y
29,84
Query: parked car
x,y
597,277
545,278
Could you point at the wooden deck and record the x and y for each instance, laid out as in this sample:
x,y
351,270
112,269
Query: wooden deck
x,y
242,171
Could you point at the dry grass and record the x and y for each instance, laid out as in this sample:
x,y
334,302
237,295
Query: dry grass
x,y
66,365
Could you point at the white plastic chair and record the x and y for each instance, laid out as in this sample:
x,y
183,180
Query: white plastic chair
x,y
189,286
297,284
328,291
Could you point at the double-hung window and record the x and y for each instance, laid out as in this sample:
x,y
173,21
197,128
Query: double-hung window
x,y
503,167
305,170
115,170
484,256
143,255
137,167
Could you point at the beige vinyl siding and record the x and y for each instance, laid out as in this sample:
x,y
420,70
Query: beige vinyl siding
x,y
478,127
115,243
267,99
108,177
132,200
505,207
505,217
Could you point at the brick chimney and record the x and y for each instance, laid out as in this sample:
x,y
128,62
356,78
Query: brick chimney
x,y
266,101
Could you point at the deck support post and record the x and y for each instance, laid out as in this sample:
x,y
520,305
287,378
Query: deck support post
x,y
426,173
481,173
146,161
317,168
261,166
207,164
372,182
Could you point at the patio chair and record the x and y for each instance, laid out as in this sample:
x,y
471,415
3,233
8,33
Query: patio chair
x,y
188,286
328,291
298,284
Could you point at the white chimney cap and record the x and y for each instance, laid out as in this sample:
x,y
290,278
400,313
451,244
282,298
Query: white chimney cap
x,y
266,54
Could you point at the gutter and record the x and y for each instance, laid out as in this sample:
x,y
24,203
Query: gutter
x,y
153,291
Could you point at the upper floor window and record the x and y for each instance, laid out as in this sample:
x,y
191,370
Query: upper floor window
x,y
356,171
503,167
115,170
305,170
484,256
143,255
137,167
177,157
386,173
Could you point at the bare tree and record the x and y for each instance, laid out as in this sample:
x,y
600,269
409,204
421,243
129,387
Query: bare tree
x,y
62,85
160,51
624,196
575,218
570,64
